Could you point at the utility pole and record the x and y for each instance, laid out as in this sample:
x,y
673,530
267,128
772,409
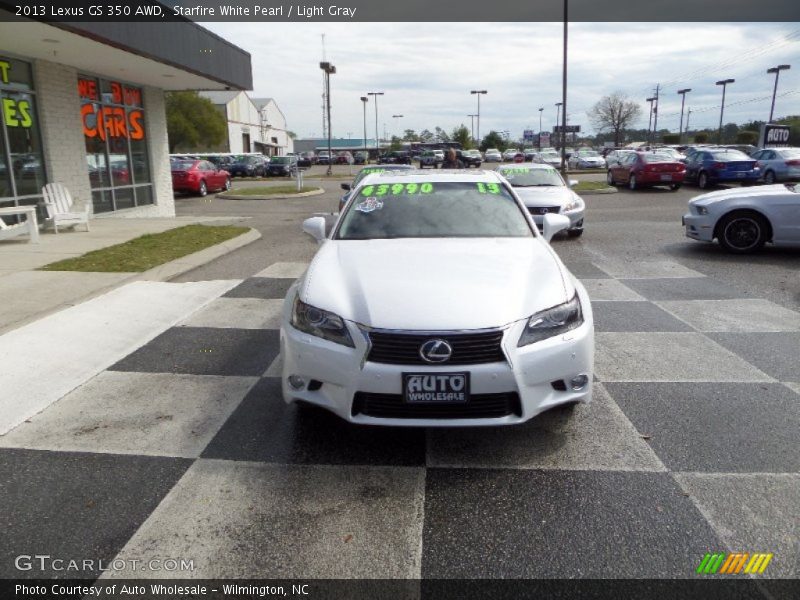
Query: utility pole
x,y
324,93
564,95
688,116
377,133
558,112
328,70
724,83
683,93
541,109
472,126
364,101
777,70
479,94
655,115
650,119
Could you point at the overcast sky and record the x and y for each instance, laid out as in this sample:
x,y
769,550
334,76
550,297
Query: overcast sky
x,y
428,69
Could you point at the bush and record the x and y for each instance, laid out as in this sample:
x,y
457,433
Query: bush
x,y
747,137
701,137
671,138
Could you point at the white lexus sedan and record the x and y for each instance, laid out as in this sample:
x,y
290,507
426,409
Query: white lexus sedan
x,y
543,191
435,301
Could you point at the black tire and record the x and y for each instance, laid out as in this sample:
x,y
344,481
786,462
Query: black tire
x,y
203,190
227,186
574,233
610,178
702,180
632,185
769,177
742,232
675,187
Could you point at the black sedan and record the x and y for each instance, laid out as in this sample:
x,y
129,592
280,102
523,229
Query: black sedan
x,y
282,166
248,166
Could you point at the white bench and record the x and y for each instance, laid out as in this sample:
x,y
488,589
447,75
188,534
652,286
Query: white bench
x,y
29,227
58,203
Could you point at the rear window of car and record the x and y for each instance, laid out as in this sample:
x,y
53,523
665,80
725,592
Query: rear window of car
x,y
433,209
182,165
660,157
281,160
729,155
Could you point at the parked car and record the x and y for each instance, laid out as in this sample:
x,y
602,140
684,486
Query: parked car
x,y
306,159
470,158
198,177
543,191
671,152
348,187
344,158
397,157
431,158
282,166
248,166
586,159
710,166
614,157
647,169
509,154
519,157
323,158
492,155
743,220
548,156
778,164
360,158
530,153
358,327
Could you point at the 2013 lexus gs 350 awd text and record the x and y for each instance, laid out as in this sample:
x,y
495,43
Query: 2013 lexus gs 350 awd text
x,y
435,301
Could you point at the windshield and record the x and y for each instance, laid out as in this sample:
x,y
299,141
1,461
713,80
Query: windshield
x,y
525,177
729,155
587,153
425,210
281,160
182,165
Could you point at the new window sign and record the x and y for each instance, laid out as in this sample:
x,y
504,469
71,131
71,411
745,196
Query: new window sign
x,y
773,136
567,129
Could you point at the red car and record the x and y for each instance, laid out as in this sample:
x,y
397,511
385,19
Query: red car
x,y
198,177
644,169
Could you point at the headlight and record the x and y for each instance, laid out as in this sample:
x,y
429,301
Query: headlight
x,y
702,210
320,323
573,204
551,322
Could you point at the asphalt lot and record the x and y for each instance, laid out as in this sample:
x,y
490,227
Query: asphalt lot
x,y
184,447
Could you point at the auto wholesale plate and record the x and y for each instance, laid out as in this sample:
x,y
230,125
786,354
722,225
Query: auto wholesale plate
x,y
436,388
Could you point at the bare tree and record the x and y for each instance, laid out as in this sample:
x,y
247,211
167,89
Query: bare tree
x,y
614,113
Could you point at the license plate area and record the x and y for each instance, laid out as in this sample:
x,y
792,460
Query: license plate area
x,y
666,178
436,388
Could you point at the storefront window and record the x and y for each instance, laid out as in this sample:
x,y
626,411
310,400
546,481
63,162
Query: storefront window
x,y
116,148
22,172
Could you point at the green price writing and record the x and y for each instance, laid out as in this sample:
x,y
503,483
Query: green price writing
x,y
396,189
488,188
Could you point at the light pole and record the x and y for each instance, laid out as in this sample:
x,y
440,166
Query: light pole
x,y
564,95
377,133
683,93
650,118
395,117
541,110
724,83
472,126
558,111
777,70
688,116
364,101
329,70
479,93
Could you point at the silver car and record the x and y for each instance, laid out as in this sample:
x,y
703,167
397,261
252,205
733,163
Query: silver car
x,y
586,159
779,164
542,190
744,219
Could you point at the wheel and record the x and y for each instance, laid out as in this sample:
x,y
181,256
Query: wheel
x,y
742,232
203,189
227,184
632,182
610,178
702,181
574,233
769,177
675,187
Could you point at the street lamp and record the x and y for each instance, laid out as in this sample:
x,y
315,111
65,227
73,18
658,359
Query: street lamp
x,y
479,93
377,133
683,93
558,111
724,83
364,101
541,109
777,70
650,119
472,126
329,70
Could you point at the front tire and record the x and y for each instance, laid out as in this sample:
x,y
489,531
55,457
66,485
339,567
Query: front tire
x,y
227,184
203,190
702,181
610,178
743,232
632,184
574,233
769,177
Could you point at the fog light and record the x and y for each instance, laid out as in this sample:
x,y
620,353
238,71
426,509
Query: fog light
x,y
579,382
296,382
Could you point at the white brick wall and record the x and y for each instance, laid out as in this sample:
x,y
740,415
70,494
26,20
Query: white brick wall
x,y
64,147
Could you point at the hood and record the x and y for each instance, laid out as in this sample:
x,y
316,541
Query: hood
x,y
544,196
436,284
738,192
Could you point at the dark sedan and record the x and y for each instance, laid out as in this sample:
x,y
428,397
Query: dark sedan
x,y
282,166
248,166
709,166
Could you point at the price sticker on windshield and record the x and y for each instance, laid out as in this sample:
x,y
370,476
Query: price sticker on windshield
x,y
515,171
488,188
396,189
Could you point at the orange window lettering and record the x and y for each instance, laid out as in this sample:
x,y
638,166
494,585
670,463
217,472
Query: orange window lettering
x,y
136,127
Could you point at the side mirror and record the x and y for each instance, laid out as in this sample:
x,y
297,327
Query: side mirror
x,y
315,227
345,186
552,224
573,182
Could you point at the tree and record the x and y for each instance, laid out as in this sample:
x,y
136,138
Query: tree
x,y
671,138
425,136
462,136
614,113
291,134
395,144
193,122
409,135
747,137
493,140
701,137
441,135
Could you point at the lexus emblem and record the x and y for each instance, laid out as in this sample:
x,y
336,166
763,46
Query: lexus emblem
x,y
543,211
435,351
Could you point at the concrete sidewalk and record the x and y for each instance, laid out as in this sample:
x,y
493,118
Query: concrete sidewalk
x,y
28,294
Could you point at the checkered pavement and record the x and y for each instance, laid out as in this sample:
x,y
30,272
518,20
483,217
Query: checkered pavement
x,y
184,448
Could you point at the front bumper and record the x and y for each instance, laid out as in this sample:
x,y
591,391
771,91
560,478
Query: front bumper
x,y
699,227
339,373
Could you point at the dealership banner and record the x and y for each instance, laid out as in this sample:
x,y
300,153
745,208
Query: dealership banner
x,y
774,136
402,10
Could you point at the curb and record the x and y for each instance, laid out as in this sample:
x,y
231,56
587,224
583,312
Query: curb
x,y
608,190
316,192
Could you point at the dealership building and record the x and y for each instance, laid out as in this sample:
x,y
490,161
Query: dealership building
x,y
82,104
